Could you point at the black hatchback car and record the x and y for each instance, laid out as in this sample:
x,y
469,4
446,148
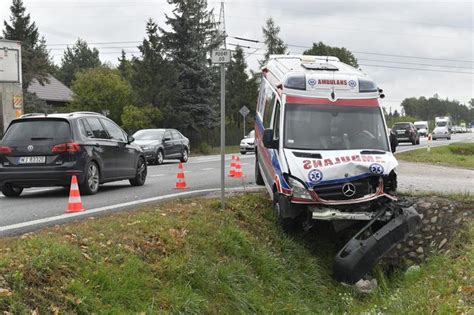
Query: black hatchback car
x,y
160,144
406,132
41,151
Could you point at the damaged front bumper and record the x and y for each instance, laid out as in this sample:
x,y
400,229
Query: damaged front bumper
x,y
364,250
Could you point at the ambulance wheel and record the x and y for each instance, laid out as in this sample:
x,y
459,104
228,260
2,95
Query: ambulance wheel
x,y
281,205
258,176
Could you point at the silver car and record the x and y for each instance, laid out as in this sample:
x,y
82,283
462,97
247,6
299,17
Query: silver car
x,y
247,144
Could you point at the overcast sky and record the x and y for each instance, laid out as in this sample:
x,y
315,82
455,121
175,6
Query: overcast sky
x,y
438,33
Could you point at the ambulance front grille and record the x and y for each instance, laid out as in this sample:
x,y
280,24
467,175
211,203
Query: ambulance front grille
x,y
363,187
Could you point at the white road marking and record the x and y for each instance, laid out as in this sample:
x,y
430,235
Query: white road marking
x,y
208,169
156,175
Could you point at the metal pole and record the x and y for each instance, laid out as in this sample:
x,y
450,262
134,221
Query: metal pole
x,y
222,136
244,126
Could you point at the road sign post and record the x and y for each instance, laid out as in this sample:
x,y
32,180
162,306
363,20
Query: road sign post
x,y
244,111
222,57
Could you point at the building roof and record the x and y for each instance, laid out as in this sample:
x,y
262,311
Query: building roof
x,y
54,91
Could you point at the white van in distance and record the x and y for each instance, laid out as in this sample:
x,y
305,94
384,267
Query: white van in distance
x,y
323,153
422,127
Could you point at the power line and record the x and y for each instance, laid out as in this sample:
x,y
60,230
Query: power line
x,y
359,52
419,69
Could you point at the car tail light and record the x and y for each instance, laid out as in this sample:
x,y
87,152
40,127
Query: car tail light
x,y
66,147
5,150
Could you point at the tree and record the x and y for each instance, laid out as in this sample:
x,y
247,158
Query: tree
x,y
125,67
275,45
78,57
191,37
100,89
344,55
135,118
35,60
154,78
240,89
33,104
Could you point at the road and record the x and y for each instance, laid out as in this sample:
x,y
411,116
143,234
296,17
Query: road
x,y
202,173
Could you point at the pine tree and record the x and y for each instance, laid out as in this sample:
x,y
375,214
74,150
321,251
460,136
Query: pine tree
x,y
153,77
192,36
35,58
320,49
77,58
275,45
125,67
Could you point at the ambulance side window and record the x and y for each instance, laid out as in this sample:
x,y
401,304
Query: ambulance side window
x,y
276,122
269,104
261,98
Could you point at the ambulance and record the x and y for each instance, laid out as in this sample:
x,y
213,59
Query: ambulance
x,y
323,152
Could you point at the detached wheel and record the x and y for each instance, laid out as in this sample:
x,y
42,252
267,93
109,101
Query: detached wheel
x,y
140,175
90,185
159,157
9,190
258,176
184,156
280,206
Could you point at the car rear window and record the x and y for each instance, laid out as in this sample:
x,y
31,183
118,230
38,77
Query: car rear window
x,y
46,129
401,126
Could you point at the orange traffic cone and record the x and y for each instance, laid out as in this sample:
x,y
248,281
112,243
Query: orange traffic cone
x,y
181,183
238,168
232,166
75,203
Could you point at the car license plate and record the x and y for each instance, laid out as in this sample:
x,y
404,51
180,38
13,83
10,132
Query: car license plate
x,y
400,132
32,160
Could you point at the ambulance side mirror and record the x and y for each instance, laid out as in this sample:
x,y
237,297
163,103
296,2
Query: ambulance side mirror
x,y
268,140
393,142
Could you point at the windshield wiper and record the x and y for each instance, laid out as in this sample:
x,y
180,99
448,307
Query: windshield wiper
x,y
41,138
372,152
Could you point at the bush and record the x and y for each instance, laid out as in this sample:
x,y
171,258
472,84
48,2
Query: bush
x,y
135,118
204,148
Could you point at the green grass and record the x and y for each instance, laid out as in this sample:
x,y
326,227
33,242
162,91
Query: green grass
x,y
189,257
216,150
456,154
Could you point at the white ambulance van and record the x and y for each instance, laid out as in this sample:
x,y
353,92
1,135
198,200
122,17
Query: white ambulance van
x,y
323,152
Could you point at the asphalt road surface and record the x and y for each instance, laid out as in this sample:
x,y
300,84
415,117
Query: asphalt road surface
x,y
46,205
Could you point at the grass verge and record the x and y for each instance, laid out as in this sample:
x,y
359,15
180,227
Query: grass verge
x,y
456,154
189,257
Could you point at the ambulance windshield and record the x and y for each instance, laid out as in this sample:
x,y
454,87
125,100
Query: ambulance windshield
x,y
331,127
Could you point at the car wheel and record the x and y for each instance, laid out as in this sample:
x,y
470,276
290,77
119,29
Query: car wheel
x,y
184,156
10,190
449,138
280,204
258,176
243,152
90,185
159,157
413,142
418,141
140,175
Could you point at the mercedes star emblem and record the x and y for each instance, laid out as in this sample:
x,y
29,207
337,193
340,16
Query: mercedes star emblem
x,y
30,148
348,189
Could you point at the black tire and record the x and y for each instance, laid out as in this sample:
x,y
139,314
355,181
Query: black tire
x,y
140,175
258,176
279,204
184,155
159,157
449,138
243,152
418,142
90,185
413,142
9,190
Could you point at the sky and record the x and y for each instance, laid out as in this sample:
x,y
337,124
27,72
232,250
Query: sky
x,y
411,48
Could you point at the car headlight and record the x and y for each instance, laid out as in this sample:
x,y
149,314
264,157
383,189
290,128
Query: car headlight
x,y
147,147
242,143
299,189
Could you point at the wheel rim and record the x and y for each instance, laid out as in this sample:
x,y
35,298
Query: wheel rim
x,y
160,157
93,177
141,170
185,155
